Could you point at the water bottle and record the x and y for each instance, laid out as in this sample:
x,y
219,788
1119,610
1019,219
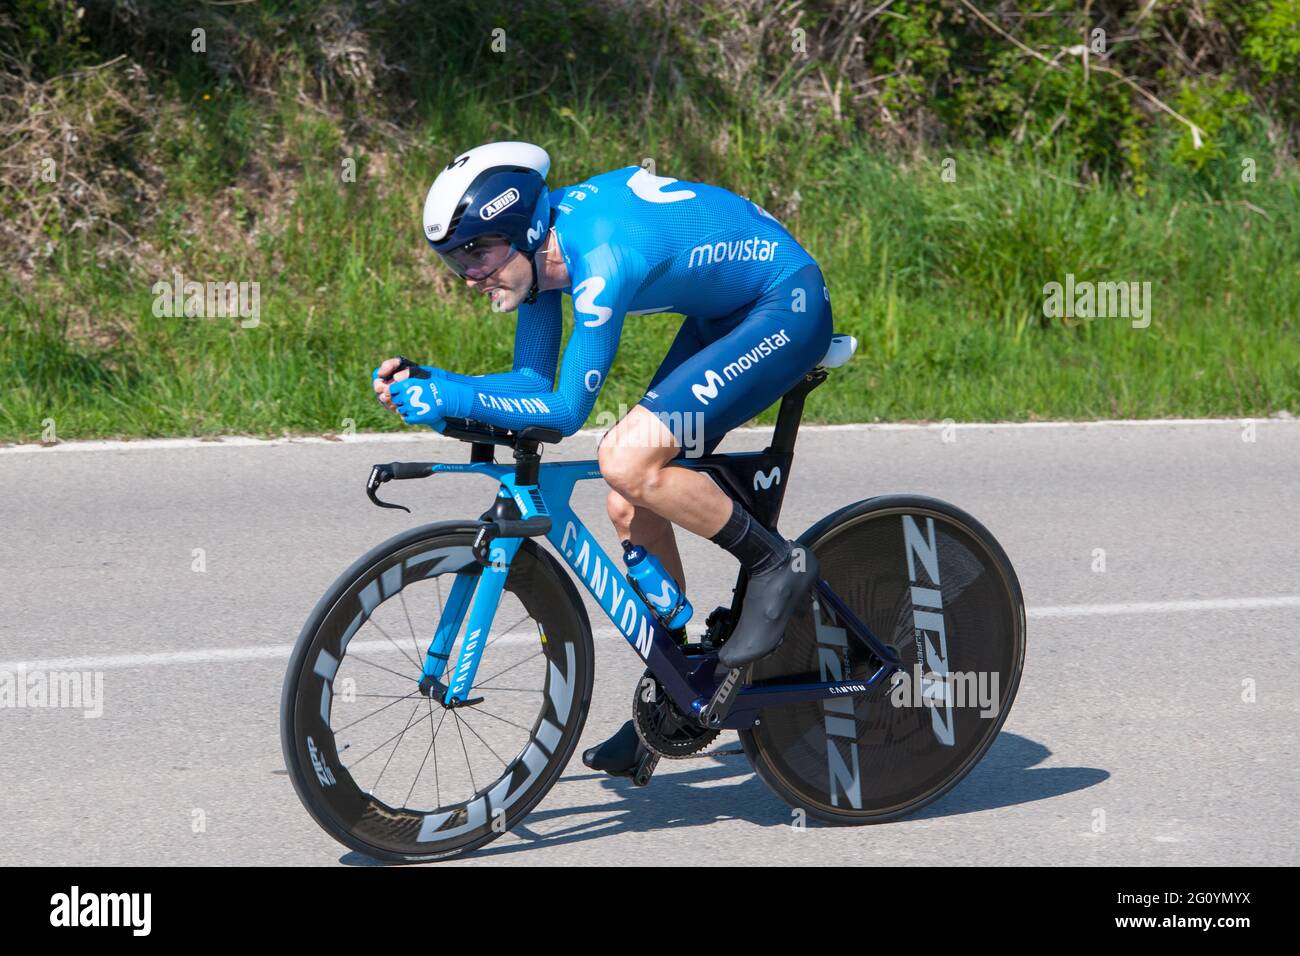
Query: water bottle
x,y
656,586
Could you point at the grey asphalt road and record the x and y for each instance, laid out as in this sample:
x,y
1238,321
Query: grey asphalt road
x,y
1156,721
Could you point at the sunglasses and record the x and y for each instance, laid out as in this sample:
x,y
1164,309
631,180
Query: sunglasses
x,y
480,257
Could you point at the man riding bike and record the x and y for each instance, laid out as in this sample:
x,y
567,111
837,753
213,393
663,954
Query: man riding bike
x,y
628,242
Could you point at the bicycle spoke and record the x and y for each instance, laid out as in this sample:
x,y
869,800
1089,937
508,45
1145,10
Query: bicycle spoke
x,y
394,643
487,713
493,637
526,690
432,739
414,643
339,730
513,666
437,782
354,656
389,740
470,728
375,785
465,750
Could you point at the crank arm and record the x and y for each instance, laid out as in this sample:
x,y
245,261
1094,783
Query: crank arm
x,y
715,712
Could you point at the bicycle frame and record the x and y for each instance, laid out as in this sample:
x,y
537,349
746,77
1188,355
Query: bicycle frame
x,y
690,680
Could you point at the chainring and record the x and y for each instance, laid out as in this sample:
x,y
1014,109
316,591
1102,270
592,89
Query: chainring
x,y
662,727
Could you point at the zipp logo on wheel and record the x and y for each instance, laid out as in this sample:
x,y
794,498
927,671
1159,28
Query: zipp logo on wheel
x,y
927,618
323,773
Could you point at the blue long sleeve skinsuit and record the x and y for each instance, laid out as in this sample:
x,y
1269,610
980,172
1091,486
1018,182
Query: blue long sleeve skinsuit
x,y
635,243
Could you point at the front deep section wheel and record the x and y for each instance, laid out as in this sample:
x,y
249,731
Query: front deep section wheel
x,y
931,581
382,765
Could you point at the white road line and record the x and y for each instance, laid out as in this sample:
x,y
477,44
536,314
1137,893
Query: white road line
x,y
366,438
1160,607
220,655
212,655
226,441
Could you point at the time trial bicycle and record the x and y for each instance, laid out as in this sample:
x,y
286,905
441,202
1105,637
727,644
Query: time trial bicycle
x,y
440,686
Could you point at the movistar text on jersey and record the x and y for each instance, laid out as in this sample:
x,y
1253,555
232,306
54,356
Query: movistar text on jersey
x,y
741,250
713,381
769,345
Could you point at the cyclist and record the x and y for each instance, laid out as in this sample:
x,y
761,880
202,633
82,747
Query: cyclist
x,y
628,242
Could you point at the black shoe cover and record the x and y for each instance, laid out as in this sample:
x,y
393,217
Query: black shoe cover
x,y
617,756
770,601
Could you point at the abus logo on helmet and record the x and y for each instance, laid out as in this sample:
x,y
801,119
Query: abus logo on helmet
x,y
499,204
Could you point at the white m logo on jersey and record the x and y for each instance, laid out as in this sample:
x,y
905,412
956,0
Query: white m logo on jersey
x,y
649,187
709,390
767,480
584,300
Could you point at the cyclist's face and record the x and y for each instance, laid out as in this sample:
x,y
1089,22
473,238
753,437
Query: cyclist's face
x,y
480,257
492,266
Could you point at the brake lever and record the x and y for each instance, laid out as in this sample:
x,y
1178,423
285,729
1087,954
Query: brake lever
x,y
378,475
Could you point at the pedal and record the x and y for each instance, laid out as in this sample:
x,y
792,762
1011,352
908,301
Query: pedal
x,y
645,768
716,627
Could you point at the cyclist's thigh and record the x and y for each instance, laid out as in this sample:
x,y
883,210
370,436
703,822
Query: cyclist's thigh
x,y
736,376
694,335
689,340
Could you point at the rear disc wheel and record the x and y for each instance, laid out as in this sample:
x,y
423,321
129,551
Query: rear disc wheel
x,y
929,580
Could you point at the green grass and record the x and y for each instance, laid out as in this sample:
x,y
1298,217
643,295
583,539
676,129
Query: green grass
x,y
942,282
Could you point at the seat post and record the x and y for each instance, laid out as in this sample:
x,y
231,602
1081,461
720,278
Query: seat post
x,y
790,413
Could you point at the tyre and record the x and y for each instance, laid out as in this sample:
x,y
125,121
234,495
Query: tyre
x,y
392,773
930,580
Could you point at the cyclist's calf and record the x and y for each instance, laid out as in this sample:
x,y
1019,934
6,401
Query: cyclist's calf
x,y
652,531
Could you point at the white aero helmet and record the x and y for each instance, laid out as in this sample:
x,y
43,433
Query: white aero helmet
x,y
487,204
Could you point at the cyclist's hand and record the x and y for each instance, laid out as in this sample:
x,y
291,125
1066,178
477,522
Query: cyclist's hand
x,y
418,402
395,370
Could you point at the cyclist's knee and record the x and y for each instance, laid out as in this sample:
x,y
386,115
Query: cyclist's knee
x,y
632,471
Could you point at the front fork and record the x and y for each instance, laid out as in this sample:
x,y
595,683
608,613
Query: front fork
x,y
484,584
